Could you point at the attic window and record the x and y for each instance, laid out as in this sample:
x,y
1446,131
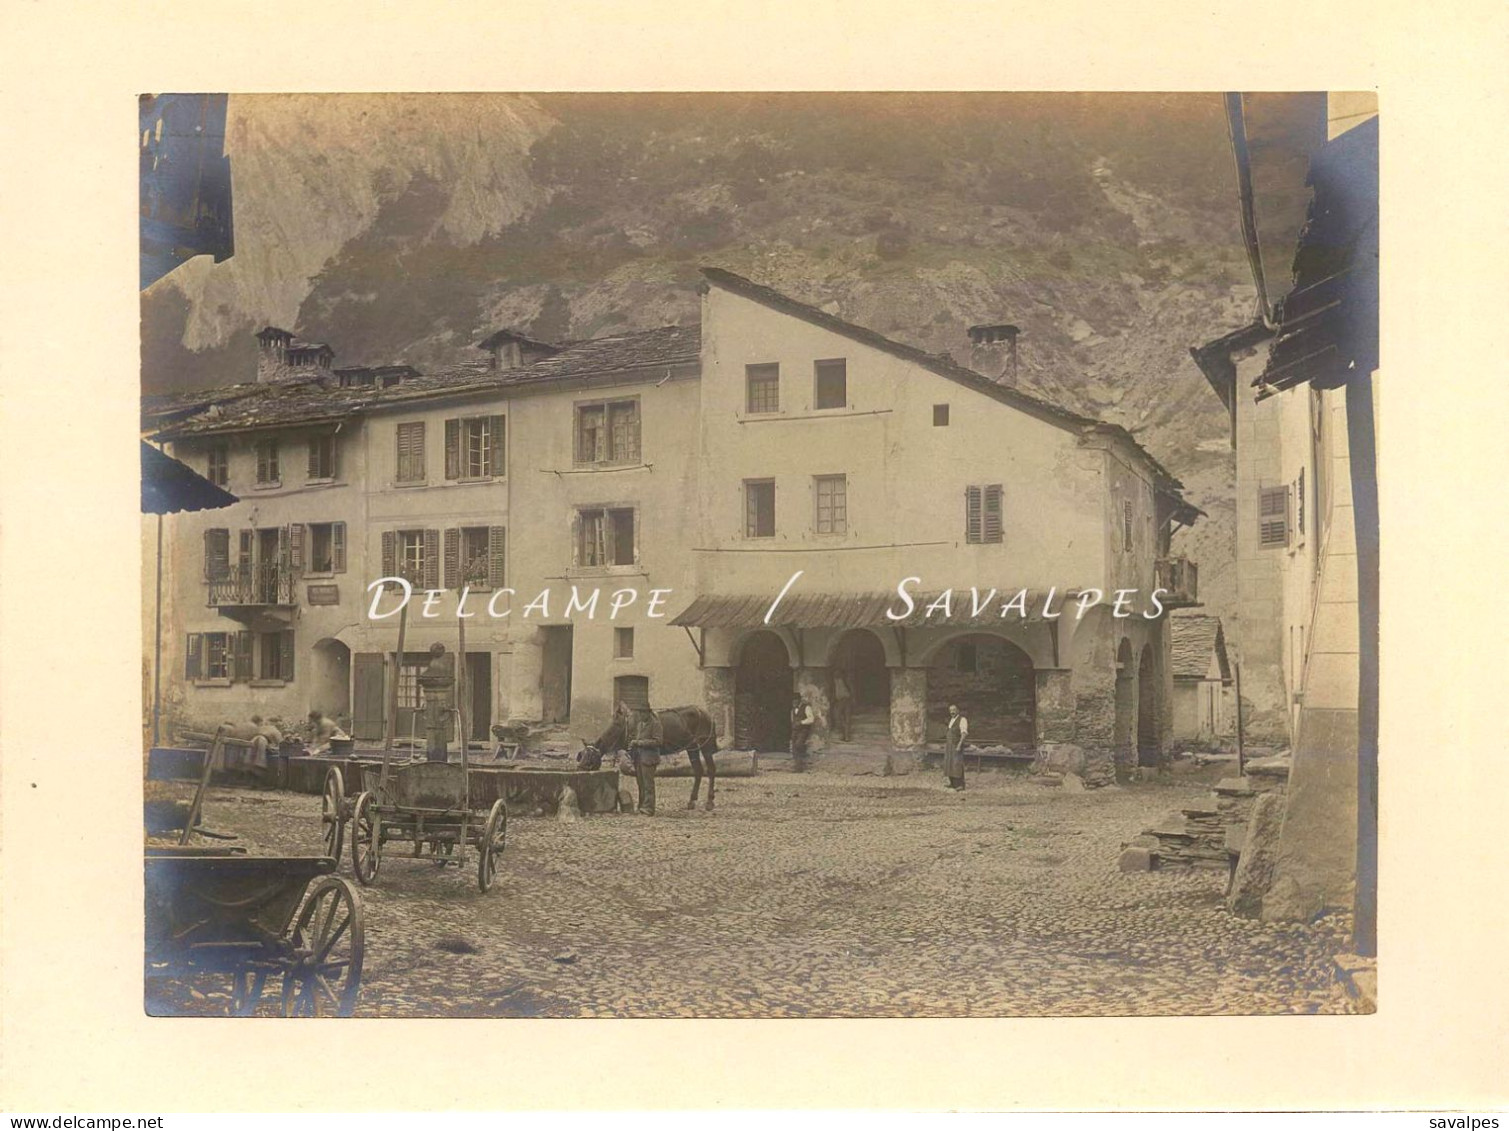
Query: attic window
x,y
831,385
940,416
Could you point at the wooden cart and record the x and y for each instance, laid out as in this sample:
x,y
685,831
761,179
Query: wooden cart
x,y
427,805
256,919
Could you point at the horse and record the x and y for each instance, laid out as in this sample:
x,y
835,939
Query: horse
x,y
647,734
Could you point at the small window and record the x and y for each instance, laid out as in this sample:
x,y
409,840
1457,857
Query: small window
x,y
759,508
831,389
940,416
411,556
1273,517
623,643
267,462
473,555
411,452
982,514
322,456
408,685
605,537
832,504
607,432
219,464
217,655
762,384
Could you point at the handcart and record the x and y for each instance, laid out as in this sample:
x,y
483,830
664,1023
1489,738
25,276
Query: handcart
x,y
256,919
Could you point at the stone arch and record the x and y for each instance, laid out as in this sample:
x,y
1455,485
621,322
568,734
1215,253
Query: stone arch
x,y
860,658
993,681
925,655
885,640
763,683
785,635
330,677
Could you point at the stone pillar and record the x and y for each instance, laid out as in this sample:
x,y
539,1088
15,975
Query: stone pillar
x,y
909,708
1055,705
811,683
718,694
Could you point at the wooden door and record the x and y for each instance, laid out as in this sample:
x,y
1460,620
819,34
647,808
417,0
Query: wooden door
x,y
555,674
370,709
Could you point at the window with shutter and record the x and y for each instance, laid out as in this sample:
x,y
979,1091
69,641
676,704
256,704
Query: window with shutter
x,y
218,469
496,466
1273,517
607,432
285,649
591,443
322,456
390,556
992,526
592,538
453,578
217,662
267,462
453,449
973,514
241,655
338,547
432,559
410,465
496,556
193,657
217,554
473,549
296,545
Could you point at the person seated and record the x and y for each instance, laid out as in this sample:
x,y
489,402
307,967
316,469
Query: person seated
x,y
321,731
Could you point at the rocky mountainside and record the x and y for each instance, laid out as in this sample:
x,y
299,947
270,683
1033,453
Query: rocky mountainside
x,y
403,228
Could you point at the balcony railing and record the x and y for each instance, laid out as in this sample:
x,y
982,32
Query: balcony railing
x,y
1181,578
262,584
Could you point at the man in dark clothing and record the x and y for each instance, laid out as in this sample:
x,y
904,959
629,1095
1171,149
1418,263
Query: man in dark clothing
x,y
802,722
644,739
843,705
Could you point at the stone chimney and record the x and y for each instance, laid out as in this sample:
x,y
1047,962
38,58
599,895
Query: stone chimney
x,y
993,351
272,353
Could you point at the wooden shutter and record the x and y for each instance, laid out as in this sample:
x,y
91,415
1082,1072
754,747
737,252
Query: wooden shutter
x,y
992,514
296,545
452,558
216,553
337,547
453,449
285,542
972,514
285,654
193,657
315,470
241,655
496,556
246,547
410,453
1273,516
390,555
495,445
432,559
1299,503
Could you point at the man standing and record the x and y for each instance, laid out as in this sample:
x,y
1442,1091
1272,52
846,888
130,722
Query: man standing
x,y
953,751
843,705
802,722
644,738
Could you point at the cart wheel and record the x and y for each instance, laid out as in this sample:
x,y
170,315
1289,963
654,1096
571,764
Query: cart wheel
x,y
333,813
494,836
246,990
366,835
325,975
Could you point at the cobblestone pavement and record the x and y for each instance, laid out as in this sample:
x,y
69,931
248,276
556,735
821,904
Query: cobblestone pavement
x,y
814,895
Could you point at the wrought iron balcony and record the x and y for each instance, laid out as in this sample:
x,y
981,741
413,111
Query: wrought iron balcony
x,y
262,585
1180,577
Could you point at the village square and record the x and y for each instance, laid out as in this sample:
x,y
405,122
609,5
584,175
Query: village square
x,y
763,663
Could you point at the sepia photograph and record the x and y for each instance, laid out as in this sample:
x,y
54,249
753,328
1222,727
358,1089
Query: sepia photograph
x,y
759,555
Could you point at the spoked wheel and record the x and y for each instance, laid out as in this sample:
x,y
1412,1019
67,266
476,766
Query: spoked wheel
x,y
494,836
333,813
325,974
246,989
366,839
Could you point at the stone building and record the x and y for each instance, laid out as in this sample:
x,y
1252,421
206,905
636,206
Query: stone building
x,y
684,475
1202,717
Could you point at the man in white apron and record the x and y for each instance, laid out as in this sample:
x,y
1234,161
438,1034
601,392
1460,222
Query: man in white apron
x,y
953,753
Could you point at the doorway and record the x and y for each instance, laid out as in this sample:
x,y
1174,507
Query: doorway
x,y
860,658
369,718
479,692
1147,709
994,685
555,674
1126,705
762,694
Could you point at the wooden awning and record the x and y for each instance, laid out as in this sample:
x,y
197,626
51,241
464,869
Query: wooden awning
x,y
866,610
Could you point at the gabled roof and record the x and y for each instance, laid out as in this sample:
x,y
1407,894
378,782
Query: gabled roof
x,y
940,364
1193,639
497,339
305,401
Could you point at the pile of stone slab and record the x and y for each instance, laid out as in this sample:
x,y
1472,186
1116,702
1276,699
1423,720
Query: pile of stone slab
x,y
1211,835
